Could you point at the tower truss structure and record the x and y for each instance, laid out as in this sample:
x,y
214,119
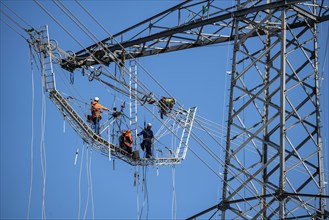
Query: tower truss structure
x,y
274,81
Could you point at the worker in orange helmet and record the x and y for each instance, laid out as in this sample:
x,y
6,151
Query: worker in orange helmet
x,y
96,113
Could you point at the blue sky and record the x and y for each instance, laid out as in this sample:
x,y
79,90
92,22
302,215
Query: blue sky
x,y
195,77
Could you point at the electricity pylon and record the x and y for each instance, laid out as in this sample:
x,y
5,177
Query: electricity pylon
x,y
274,97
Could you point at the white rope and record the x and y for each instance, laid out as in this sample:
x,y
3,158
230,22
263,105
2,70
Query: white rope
x,y
146,198
91,188
32,135
79,182
43,151
88,181
43,158
143,190
136,176
173,202
90,195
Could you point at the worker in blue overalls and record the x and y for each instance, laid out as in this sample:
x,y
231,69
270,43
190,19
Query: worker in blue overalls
x,y
147,140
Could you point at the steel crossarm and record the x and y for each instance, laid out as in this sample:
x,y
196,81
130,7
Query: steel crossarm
x,y
188,25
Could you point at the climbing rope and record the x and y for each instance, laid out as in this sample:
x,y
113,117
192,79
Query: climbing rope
x,y
43,157
146,196
173,202
90,195
79,179
32,134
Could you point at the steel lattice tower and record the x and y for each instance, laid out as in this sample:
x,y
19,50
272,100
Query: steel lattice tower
x,y
274,107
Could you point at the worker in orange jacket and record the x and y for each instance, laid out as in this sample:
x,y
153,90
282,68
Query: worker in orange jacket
x,y
96,114
126,141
